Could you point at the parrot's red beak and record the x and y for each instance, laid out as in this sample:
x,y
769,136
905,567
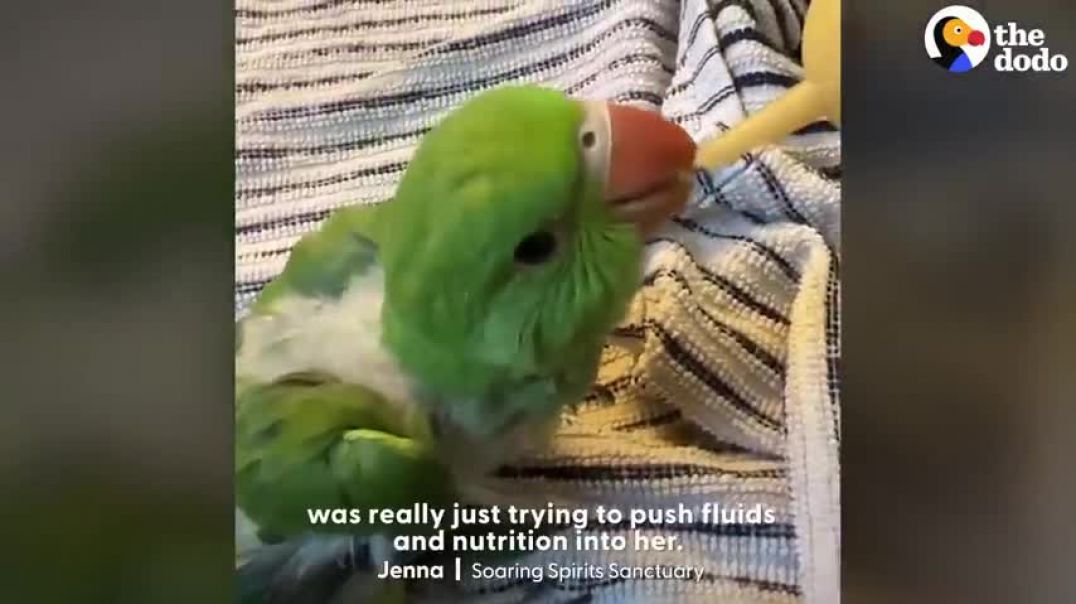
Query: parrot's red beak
x,y
650,166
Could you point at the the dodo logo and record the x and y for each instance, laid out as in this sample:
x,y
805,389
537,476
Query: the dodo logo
x,y
957,38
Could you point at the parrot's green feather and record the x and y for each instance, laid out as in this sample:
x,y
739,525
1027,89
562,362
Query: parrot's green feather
x,y
306,440
415,314
478,329
322,264
333,445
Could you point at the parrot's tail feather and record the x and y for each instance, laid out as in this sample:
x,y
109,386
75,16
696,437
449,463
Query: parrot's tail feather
x,y
312,570
331,569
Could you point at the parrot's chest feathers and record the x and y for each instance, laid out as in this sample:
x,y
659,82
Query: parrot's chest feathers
x,y
339,337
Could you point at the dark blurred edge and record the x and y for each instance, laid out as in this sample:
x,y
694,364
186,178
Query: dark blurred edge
x,y
116,252
959,316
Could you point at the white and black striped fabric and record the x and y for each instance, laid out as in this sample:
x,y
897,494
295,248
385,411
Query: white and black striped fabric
x,y
723,383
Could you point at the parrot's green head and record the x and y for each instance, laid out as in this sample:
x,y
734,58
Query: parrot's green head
x,y
513,247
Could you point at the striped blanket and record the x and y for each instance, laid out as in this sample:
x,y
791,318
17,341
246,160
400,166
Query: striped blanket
x,y
722,387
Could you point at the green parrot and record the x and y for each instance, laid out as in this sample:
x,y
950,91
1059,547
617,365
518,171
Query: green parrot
x,y
411,345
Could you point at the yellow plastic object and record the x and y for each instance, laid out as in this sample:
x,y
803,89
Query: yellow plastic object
x,y
817,97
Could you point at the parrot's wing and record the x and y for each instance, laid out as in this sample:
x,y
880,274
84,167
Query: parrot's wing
x,y
323,263
307,448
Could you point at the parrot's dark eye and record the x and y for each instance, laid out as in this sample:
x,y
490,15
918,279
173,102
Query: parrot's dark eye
x,y
588,139
536,248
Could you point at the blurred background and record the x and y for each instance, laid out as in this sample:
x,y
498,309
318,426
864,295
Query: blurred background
x,y
116,256
116,263
959,316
